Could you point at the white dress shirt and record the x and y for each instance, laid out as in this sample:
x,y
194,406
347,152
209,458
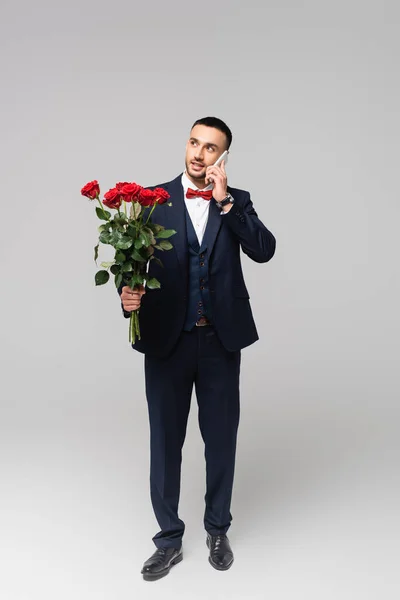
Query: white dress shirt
x,y
197,207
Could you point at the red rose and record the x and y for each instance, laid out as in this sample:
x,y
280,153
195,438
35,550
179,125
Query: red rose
x,y
121,184
162,195
91,190
130,191
112,198
147,197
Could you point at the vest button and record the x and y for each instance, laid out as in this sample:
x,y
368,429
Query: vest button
x,y
199,312
202,264
202,287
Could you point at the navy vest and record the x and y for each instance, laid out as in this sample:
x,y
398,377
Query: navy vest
x,y
198,289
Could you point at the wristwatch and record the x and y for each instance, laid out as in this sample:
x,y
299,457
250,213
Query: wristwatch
x,y
227,200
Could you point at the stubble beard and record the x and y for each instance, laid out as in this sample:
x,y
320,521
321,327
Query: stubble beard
x,y
197,176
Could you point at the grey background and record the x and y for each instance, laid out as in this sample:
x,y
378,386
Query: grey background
x,y
110,90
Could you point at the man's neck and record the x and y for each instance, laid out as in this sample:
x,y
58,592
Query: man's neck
x,y
199,183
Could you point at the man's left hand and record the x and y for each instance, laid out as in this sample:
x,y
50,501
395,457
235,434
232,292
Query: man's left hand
x,y
218,177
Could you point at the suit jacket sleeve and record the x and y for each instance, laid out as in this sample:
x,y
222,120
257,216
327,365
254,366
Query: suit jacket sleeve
x,y
255,239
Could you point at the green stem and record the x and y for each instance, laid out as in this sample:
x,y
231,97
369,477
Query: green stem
x,y
151,212
137,324
132,328
102,208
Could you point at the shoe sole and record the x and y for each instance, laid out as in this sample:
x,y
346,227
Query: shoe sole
x,y
155,576
219,568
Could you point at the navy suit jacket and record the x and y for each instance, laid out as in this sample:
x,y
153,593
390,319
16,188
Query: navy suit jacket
x,y
162,311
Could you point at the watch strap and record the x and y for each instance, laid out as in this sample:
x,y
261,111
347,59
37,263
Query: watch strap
x,y
227,200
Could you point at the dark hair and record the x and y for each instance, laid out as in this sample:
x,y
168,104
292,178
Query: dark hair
x,y
217,124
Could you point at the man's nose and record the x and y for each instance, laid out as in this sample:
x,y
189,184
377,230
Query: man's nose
x,y
199,154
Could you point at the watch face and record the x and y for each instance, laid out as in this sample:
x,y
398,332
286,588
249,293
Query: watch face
x,y
225,201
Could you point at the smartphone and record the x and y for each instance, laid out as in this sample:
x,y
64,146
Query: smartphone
x,y
224,156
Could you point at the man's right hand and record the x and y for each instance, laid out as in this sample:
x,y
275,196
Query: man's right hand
x,y
131,298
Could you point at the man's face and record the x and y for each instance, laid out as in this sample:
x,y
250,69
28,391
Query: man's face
x,y
204,146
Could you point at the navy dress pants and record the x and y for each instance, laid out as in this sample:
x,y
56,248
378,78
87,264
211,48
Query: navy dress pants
x,y
199,358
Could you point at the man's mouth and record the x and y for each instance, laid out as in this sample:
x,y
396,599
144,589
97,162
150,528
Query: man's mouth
x,y
197,166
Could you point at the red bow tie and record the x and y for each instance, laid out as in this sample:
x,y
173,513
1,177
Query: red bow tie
x,y
206,194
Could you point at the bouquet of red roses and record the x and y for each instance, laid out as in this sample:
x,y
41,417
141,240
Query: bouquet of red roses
x,y
133,236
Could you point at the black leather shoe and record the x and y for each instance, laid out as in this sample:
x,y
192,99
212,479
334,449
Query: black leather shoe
x,y
159,564
221,555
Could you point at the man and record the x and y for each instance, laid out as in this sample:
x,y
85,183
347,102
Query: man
x,y
192,332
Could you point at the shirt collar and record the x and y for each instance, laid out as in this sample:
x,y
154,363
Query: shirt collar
x,y
186,183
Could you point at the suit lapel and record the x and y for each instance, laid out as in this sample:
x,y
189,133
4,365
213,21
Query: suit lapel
x,y
214,223
212,228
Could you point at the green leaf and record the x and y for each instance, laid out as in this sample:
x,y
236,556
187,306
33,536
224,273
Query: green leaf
x,y
136,279
150,235
153,283
144,239
107,265
96,253
138,243
120,220
115,236
141,251
124,243
135,210
104,237
159,247
101,277
158,261
115,269
165,245
154,227
126,267
166,233
131,231
138,257
103,214
120,257
118,279
103,227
